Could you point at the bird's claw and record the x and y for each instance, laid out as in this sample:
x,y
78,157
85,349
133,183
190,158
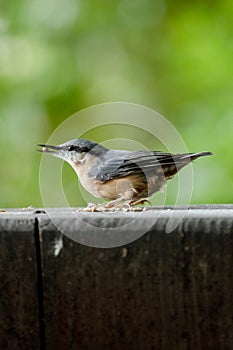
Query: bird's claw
x,y
140,201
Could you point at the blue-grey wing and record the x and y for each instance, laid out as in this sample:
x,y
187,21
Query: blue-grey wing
x,y
122,163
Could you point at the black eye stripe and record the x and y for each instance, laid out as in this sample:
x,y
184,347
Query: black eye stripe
x,y
78,149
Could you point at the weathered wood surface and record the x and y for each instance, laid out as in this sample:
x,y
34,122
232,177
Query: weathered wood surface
x,y
19,317
162,291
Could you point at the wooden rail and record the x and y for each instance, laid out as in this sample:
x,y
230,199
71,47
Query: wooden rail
x,y
161,291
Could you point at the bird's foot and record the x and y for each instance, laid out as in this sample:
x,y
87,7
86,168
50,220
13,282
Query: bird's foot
x,y
104,207
91,207
140,201
129,208
111,207
119,207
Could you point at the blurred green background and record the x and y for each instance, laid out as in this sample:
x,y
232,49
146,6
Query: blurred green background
x,y
58,57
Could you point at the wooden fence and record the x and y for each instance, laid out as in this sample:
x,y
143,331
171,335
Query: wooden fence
x,y
162,291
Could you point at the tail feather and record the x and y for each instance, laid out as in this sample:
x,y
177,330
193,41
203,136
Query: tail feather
x,y
194,156
180,161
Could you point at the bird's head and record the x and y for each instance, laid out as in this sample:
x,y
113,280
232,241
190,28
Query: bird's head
x,y
74,151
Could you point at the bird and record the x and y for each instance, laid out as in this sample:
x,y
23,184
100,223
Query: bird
x,y
125,178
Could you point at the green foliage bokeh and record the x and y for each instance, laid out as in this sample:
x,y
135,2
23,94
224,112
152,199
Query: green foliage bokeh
x,y
58,57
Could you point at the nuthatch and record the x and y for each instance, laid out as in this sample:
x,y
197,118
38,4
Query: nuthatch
x,y
119,175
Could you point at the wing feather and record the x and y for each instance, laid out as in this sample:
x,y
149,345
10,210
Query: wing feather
x,y
122,163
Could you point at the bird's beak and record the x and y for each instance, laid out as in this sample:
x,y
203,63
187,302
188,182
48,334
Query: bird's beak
x,y
56,151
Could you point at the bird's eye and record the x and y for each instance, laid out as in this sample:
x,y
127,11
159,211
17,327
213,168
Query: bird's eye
x,y
71,148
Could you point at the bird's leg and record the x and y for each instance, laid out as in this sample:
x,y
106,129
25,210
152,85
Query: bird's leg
x,y
126,205
113,203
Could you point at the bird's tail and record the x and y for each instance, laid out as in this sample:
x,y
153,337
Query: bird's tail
x,y
194,156
179,161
